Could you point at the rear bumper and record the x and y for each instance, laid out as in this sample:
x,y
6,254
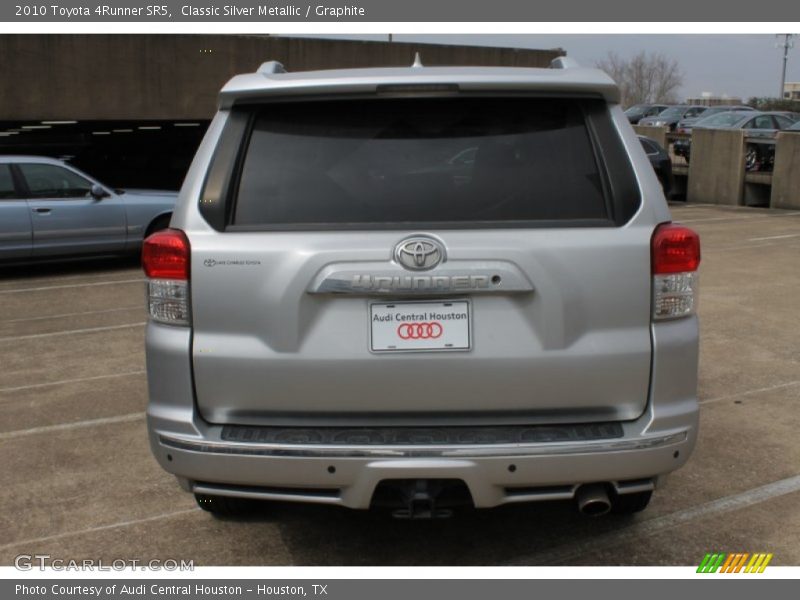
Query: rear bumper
x,y
658,442
348,476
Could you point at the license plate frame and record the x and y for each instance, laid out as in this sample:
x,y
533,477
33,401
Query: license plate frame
x,y
454,332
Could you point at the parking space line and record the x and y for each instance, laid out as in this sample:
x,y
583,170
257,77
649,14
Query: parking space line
x,y
9,435
88,278
71,285
781,245
73,314
742,217
67,534
71,332
634,532
33,386
750,392
773,237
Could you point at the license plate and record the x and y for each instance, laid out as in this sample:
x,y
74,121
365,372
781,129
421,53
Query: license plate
x,y
420,326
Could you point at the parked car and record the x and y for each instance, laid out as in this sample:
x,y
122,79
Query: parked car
x,y
756,125
50,209
671,116
794,116
637,112
659,158
685,125
332,321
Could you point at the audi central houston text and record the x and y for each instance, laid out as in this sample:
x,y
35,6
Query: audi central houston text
x,y
421,289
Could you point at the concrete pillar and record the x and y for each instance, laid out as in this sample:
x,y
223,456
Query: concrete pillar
x,y
786,174
659,134
716,168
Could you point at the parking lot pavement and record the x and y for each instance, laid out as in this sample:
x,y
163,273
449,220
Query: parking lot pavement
x,y
79,482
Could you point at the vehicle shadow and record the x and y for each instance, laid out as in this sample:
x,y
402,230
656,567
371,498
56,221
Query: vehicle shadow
x,y
75,267
517,534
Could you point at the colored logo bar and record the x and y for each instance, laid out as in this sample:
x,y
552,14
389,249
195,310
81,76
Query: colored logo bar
x,y
737,562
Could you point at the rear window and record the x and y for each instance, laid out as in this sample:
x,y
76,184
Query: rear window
x,y
433,161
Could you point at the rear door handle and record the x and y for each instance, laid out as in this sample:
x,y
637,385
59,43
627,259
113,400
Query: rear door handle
x,y
42,211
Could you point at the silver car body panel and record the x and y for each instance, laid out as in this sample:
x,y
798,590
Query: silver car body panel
x,y
16,229
527,344
656,443
280,337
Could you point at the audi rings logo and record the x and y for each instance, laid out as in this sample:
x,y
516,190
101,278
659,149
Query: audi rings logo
x,y
419,253
420,331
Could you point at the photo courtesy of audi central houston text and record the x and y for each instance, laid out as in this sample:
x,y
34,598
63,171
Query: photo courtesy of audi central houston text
x,y
262,292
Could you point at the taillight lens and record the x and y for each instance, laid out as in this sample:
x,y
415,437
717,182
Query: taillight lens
x,y
675,254
165,259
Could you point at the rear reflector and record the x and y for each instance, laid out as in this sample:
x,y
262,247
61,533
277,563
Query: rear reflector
x,y
165,259
675,252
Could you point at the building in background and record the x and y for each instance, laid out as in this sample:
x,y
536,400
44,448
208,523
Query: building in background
x,y
709,99
791,90
131,109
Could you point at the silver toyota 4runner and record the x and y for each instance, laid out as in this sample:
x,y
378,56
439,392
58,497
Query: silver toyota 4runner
x,y
417,288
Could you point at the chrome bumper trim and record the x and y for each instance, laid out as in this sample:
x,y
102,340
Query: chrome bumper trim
x,y
418,451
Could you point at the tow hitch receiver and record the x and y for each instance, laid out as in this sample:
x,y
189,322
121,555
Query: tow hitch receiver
x,y
422,498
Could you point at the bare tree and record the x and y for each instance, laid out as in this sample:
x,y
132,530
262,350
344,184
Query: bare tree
x,y
644,77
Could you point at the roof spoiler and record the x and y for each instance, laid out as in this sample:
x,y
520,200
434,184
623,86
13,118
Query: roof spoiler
x,y
273,66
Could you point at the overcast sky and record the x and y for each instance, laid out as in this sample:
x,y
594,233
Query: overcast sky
x,y
736,65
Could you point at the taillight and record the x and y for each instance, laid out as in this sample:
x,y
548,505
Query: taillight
x,y
675,257
165,260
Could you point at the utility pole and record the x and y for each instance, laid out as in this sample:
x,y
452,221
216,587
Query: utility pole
x,y
786,44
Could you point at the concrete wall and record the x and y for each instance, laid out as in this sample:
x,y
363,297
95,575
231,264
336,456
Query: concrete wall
x,y
786,173
178,76
716,169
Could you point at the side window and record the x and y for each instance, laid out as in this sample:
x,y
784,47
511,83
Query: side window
x,y
694,112
7,190
783,122
52,181
761,122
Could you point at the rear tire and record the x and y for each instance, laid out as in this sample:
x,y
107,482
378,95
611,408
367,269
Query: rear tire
x,y
628,504
225,506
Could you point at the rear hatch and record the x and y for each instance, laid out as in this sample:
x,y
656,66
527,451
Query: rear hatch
x,y
421,260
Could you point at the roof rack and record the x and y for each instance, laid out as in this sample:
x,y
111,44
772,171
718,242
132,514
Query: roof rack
x,y
564,62
270,67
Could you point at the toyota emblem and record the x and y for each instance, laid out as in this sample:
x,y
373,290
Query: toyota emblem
x,y
419,253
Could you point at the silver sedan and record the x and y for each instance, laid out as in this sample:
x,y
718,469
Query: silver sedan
x,y
49,209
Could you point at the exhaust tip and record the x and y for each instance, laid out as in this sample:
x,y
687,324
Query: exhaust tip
x,y
593,500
